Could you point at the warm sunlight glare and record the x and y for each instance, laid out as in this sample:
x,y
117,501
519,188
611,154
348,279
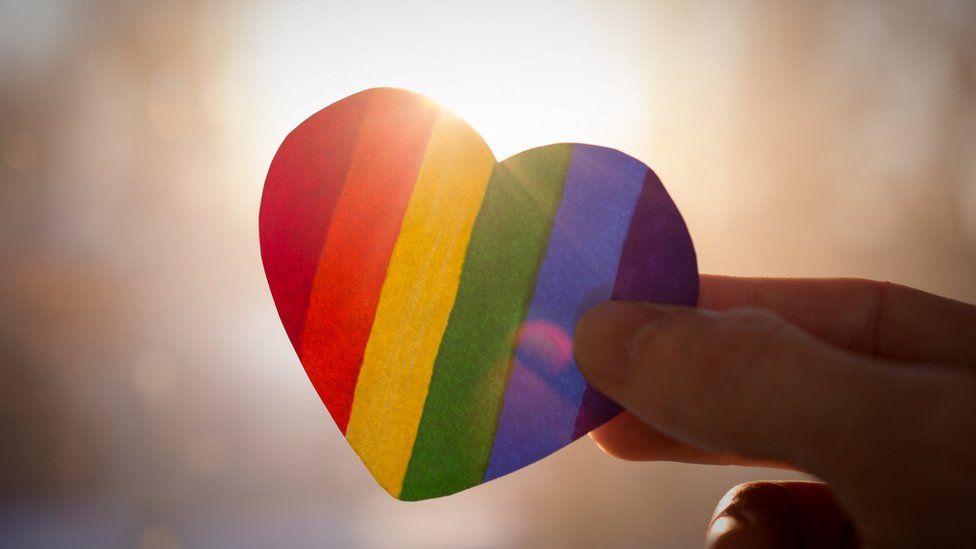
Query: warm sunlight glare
x,y
523,75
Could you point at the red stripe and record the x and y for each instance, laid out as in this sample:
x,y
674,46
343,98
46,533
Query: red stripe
x,y
300,194
365,226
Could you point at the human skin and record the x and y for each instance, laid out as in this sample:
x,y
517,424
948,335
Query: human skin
x,y
869,386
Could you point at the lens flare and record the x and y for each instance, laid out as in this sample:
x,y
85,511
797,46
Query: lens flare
x,y
546,344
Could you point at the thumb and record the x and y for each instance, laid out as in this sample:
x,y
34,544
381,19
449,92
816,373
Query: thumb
x,y
749,383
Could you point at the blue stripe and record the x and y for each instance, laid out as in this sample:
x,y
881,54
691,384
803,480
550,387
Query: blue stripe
x,y
545,388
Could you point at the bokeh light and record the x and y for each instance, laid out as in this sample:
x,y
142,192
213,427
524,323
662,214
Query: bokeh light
x,y
20,151
523,75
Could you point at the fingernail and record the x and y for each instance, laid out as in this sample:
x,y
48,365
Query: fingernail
x,y
603,338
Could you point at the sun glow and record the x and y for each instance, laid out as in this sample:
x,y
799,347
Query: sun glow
x,y
523,75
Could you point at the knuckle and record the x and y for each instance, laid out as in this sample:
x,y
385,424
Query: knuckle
x,y
732,346
662,354
668,337
753,318
737,339
751,334
693,354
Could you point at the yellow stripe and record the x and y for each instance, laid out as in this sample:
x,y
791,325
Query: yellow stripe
x,y
416,299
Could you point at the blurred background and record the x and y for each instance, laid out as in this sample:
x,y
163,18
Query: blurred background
x,y
148,394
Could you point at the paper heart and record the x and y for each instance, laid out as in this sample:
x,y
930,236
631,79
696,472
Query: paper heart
x,y
431,293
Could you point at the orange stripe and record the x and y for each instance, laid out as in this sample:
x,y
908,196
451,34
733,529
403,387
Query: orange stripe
x,y
308,169
388,154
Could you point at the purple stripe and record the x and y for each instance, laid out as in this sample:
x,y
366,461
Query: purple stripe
x,y
545,389
657,264
595,410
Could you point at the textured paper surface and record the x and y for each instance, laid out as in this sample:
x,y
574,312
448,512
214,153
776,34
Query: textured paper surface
x,y
431,293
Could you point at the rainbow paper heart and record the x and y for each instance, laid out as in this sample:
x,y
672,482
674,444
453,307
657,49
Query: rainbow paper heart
x,y
431,293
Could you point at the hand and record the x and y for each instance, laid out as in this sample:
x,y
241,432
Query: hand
x,y
869,386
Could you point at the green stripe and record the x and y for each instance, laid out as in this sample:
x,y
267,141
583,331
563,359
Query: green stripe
x,y
507,244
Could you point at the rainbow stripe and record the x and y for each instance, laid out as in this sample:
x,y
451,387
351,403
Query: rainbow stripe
x,y
431,293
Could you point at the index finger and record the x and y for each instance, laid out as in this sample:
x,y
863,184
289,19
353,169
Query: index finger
x,y
872,317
